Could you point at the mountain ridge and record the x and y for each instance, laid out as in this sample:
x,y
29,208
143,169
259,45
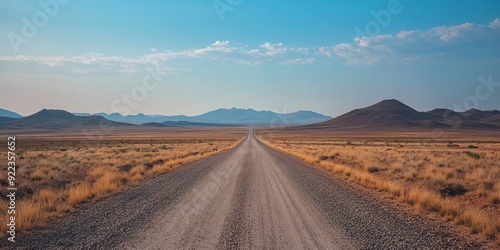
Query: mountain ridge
x,y
58,119
393,114
224,116
384,115
9,114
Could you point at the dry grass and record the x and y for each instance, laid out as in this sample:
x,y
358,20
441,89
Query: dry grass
x,y
78,193
56,175
460,183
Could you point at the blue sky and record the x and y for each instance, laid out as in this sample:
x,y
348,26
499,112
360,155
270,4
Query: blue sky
x,y
284,56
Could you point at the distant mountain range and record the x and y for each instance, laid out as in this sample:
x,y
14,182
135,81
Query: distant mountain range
x,y
387,115
394,115
232,116
186,124
60,119
57,119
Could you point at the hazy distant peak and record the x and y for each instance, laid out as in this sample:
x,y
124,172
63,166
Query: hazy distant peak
x,y
54,113
10,114
232,116
477,111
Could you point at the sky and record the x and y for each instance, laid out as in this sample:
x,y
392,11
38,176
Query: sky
x,y
189,57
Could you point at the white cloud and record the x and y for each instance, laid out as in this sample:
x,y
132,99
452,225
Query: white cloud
x,y
411,45
325,51
222,51
273,49
359,54
495,24
250,62
404,46
299,61
49,61
218,46
221,43
303,51
406,34
453,33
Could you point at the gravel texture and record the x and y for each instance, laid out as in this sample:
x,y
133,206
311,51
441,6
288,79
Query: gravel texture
x,y
247,197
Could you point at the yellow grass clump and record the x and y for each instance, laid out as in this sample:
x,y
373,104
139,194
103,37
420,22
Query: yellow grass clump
x,y
452,182
78,194
56,176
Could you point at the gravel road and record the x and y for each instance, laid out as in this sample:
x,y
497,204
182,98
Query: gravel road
x,y
247,197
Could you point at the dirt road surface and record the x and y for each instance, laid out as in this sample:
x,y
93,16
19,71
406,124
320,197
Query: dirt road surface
x,y
247,197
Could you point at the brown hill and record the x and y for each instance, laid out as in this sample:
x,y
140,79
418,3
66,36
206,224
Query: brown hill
x,y
58,119
385,114
394,115
487,116
444,114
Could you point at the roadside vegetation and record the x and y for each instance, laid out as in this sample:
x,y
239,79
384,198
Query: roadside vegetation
x,y
54,177
456,181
